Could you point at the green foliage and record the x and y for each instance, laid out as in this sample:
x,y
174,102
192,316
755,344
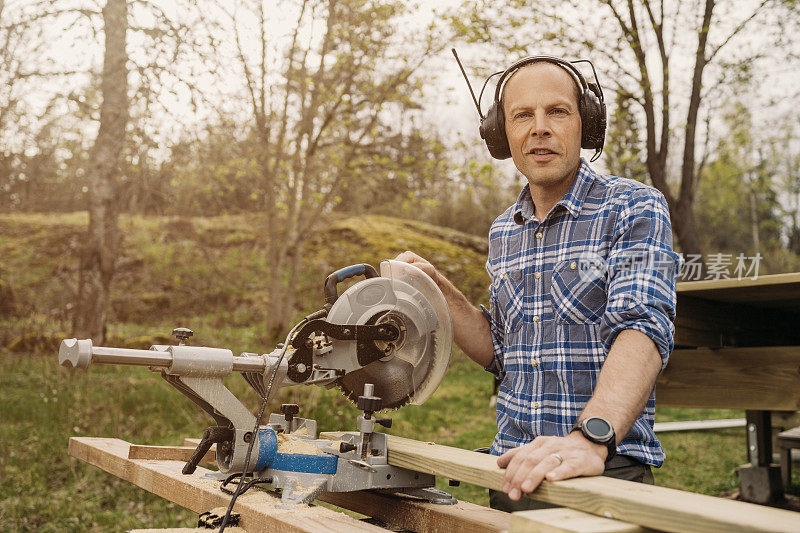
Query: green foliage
x,y
737,202
623,151
206,273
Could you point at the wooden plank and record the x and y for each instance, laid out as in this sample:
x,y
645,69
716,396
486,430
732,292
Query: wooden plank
x,y
168,453
259,509
695,425
564,520
645,505
417,516
395,511
785,419
764,378
711,323
770,288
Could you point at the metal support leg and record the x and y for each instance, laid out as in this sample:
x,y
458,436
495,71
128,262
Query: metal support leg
x,y
759,438
760,481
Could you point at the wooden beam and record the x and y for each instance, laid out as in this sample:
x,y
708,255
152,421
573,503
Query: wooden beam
x,y
564,520
775,291
396,511
766,378
259,509
711,323
645,505
414,515
168,453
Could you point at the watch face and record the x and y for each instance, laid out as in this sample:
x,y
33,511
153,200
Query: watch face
x,y
598,427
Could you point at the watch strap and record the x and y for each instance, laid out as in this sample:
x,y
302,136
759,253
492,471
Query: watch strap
x,y
611,444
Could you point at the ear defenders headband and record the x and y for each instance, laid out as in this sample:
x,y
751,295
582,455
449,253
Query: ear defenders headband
x,y
591,107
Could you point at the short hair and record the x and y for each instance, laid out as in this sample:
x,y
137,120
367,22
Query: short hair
x,y
575,82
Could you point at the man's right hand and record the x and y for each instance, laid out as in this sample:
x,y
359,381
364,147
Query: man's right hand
x,y
470,328
421,263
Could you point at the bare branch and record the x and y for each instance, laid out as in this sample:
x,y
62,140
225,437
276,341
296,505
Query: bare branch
x,y
736,30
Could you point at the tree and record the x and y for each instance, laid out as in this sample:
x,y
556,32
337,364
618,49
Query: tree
x,y
644,46
739,208
321,111
99,252
623,150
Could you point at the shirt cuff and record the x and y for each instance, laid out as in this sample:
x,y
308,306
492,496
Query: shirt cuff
x,y
495,367
633,314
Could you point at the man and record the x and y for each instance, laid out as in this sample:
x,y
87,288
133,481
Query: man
x,y
582,300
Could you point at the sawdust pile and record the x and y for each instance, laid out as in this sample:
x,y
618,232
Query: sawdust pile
x,y
289,444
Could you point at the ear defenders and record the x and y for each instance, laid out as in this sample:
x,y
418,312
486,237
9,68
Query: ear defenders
x,y
591,107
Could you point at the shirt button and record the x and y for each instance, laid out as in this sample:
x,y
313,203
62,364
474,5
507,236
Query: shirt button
x,y
539,235
536,318
535,363
537,275
573,265
505,275
535,405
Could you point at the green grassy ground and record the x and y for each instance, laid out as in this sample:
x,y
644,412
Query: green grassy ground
x,y
204,273
43,489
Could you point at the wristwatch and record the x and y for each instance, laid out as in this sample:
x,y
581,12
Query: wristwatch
x,y
600,431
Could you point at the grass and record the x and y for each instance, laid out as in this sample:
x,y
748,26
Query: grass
x,y
204,273
42,489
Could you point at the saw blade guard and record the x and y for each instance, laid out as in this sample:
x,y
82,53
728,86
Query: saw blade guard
x,y
413,369
443,335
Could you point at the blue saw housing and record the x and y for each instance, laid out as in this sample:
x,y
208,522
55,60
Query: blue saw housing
x,y
269,457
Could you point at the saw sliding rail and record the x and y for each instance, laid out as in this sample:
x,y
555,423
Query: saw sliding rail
x,y
81,353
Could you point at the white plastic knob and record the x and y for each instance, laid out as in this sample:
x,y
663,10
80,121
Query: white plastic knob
x,y
75,353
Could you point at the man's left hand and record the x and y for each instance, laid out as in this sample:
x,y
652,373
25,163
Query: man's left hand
x,y
551,458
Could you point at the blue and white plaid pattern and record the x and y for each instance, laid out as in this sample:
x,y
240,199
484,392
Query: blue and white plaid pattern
x,y
562,289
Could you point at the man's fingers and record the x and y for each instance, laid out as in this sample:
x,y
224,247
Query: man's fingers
x,y
536,475
504,459
407,257
565,471
410,257
527,470
419,262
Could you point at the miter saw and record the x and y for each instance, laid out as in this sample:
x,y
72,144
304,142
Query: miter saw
x,y
385,342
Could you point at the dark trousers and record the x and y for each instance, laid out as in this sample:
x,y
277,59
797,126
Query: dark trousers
x,y
620,467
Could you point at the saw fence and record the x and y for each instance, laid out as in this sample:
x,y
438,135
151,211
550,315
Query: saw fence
x,y
595,504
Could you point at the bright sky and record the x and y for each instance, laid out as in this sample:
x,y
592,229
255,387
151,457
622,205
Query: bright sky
x,y
449,105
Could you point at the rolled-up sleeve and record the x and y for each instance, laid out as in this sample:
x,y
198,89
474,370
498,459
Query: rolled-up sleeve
x,y
642,271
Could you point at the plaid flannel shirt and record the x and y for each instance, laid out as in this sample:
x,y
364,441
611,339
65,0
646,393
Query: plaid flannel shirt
x,y
562,289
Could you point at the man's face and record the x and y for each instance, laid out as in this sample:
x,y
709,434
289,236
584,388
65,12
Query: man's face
x,y
543,125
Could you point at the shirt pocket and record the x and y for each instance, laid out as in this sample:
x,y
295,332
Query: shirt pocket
x,y
510,301
579,297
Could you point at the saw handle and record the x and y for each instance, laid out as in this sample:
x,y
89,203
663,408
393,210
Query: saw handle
x,y
212,435
331,294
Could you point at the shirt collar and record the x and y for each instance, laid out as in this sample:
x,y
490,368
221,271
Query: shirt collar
x,y
572,200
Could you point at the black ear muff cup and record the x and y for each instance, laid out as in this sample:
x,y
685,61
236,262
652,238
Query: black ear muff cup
x,y
493,131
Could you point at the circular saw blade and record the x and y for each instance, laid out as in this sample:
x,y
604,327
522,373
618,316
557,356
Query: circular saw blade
x,y
417,363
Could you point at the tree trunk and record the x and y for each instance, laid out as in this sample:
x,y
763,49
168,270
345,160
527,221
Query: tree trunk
x,y
683,222
99,253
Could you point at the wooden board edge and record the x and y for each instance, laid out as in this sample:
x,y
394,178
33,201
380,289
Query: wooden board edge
x,y
646,505
258,508
565,520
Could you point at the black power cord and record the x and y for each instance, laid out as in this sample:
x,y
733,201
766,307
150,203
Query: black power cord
x,y
319,314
